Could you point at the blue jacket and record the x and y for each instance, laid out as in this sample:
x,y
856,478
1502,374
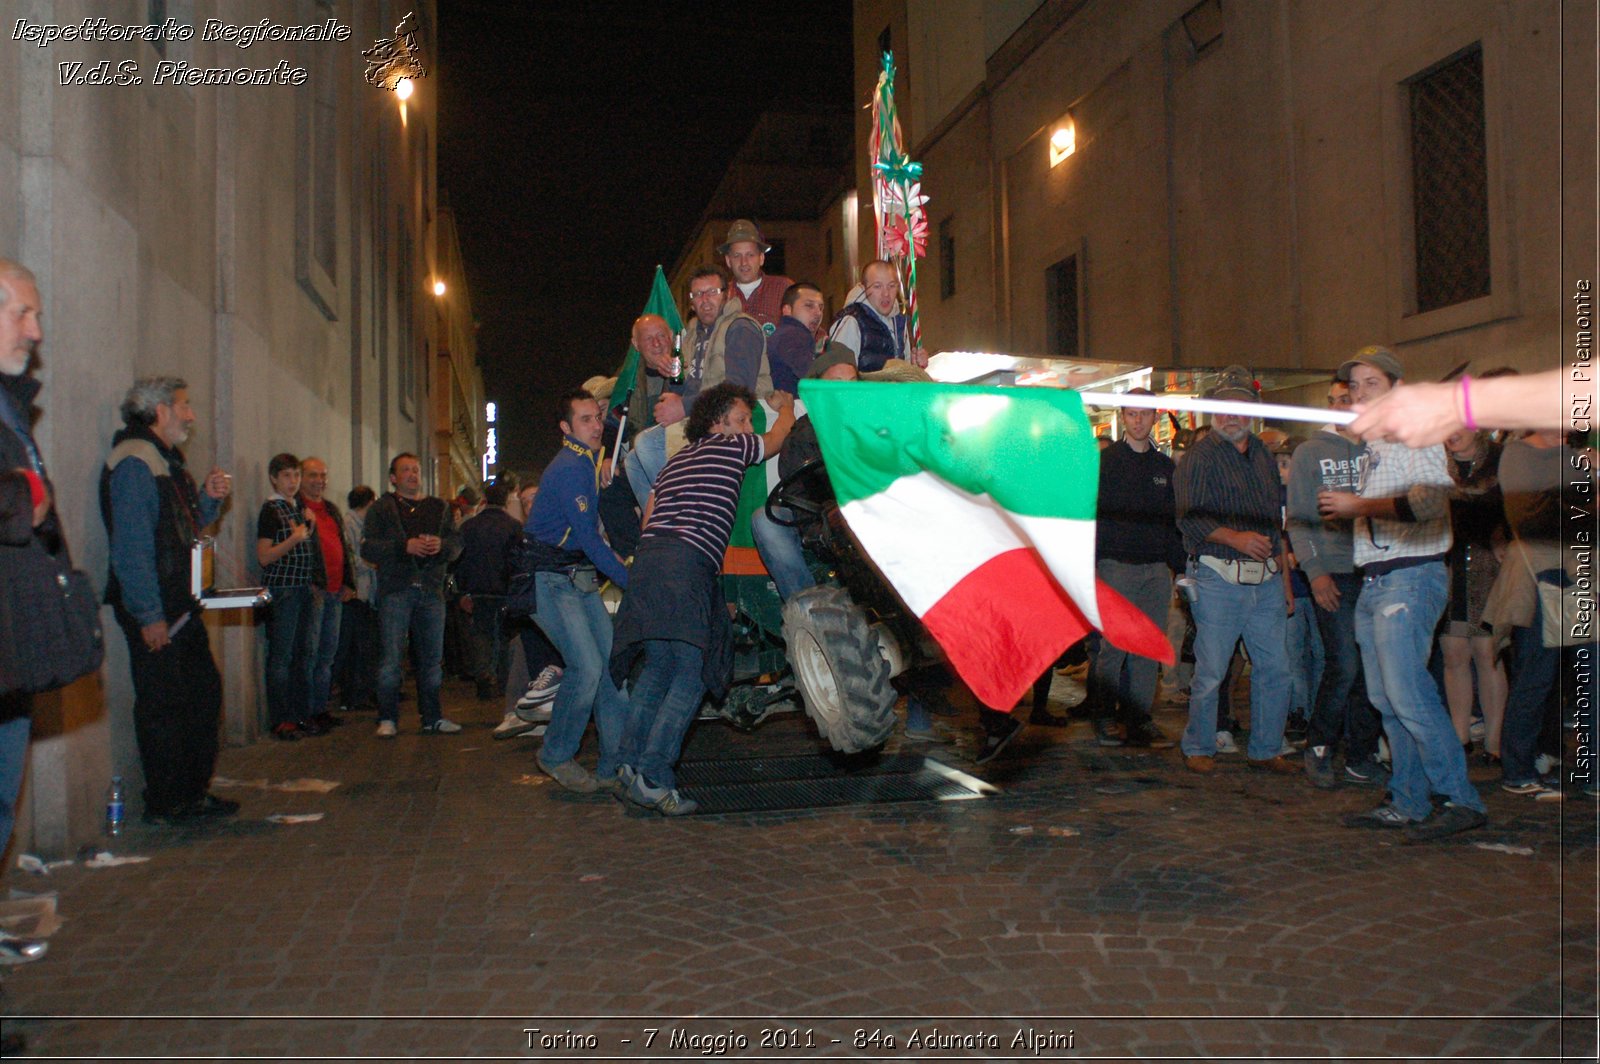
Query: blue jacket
x,y
134,513
566,512
790,351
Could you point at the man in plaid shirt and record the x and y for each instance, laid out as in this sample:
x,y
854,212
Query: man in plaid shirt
x,y
1402,534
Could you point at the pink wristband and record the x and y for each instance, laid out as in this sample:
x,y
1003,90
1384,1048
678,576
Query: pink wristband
x,y
1466,403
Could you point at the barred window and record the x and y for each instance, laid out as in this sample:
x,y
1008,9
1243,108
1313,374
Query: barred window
x,y
1450,181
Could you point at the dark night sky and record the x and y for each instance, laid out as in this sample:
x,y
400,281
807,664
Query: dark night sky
x,y
578,145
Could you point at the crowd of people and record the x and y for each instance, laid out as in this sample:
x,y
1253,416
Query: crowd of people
x,y
1389,583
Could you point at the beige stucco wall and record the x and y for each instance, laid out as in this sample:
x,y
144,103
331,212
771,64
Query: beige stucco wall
x,y
1250,203
160,221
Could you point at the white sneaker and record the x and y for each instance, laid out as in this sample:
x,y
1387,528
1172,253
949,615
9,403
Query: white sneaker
x,y
1476,730
386,729
543,689
441,727
1225,743
512,726
1544,764
1288,748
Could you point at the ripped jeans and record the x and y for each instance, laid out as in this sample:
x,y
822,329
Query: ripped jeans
x,y
1395,618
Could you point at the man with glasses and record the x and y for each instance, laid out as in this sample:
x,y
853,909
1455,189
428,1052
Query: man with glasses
x,y
721,342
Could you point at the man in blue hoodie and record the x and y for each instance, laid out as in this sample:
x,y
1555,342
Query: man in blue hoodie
x,y
568,556
869,326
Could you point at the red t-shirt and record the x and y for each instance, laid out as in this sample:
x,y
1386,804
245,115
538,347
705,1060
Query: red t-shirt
x,y
332,543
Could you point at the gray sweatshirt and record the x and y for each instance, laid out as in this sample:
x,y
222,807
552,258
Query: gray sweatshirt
x,y
1325,462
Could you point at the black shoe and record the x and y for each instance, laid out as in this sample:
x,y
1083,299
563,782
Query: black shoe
x,y
996,734
1108,732
1046,719
311,728
328,721
1146,734
170,818
1447,821
1294,730
212,806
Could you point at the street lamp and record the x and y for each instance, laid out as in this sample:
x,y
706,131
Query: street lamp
x,y
1063,141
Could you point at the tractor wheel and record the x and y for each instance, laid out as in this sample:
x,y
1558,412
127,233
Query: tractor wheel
x,y
842,677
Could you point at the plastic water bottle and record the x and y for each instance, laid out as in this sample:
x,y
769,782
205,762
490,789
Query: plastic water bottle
x,y
116,807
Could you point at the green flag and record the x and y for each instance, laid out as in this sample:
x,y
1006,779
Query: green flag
x,y
631,374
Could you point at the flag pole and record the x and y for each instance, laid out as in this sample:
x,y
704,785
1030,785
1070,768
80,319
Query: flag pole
x,y
1197,405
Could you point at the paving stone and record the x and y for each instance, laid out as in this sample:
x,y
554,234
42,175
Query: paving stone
x,y
436,886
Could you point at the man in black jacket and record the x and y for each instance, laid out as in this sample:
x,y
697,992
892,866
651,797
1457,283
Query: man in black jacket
x,y
410,537
482,575
28,525
1137,548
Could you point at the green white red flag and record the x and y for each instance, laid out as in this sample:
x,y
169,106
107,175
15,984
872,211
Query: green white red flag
x,y
978,505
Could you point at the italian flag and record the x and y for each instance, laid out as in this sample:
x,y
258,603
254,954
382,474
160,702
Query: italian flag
x,y
978,505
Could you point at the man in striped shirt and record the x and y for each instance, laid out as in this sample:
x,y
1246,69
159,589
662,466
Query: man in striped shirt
x,y
674,612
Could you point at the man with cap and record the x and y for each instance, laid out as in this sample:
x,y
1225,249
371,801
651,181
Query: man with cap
x,y
720,343
760,296
1402,534
1228,510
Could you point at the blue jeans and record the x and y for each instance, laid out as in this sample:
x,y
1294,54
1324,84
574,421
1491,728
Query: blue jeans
x,y
1341,707
645,460
661,707
1224,612
1395,619
325,643
781,552
1535,668
419,613
13,761
1303,646
292,626
579,626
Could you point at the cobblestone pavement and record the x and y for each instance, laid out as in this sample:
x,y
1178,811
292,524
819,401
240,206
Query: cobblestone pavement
x,y
1106,904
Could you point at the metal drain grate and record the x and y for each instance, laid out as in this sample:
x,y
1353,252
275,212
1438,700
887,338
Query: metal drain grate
x,y
811,781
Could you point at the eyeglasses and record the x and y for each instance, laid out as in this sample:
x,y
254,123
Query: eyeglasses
x,y
704,292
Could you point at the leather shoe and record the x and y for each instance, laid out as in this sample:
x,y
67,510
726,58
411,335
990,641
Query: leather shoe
x,y
1280,765
213,806
1046,719
1200,763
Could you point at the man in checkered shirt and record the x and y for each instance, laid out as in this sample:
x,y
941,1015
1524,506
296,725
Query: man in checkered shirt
x,y
1402,534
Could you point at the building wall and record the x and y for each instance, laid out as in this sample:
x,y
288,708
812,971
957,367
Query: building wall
x,y
1249,202
170,228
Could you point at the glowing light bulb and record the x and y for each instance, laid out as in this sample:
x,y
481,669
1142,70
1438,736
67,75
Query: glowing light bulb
x,y
438,288
403,88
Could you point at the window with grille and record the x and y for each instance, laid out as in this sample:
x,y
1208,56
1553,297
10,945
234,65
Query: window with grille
x,y
1450,182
